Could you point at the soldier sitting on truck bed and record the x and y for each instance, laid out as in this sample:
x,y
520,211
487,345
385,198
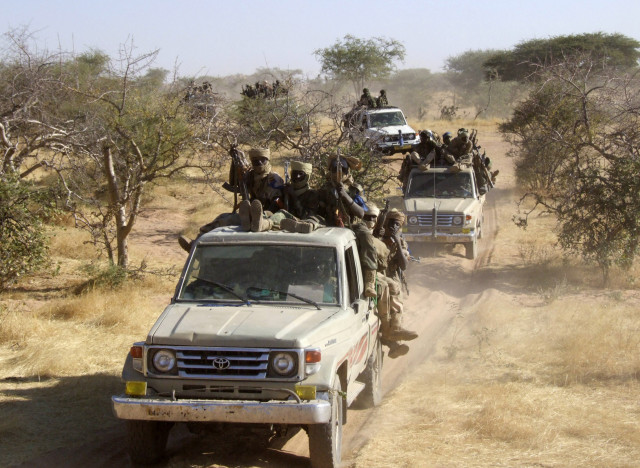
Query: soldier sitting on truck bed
x,y
264,188
461,144
366,99
301,202
424,154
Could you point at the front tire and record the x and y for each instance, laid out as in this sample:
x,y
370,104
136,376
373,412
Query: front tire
x,y
371,396
471,249
147,440
325,440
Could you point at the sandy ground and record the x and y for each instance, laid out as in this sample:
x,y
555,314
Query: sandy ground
x,y
440,287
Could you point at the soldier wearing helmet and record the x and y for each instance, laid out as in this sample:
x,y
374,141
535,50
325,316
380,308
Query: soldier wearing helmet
x,y
366,99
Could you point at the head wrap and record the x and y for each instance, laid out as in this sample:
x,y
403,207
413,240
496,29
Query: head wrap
x,y
260,153
394,213
301,166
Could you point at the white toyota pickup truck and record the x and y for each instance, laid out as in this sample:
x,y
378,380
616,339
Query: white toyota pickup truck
x,y
269,329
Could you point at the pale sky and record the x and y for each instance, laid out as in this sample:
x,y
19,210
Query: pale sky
x,y
238,36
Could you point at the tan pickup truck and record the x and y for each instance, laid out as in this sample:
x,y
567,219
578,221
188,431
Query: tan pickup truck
x,y
442,206
265,329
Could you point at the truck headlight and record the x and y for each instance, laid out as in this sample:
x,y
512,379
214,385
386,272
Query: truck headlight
x,y
283,364
457,220
164,360
413,220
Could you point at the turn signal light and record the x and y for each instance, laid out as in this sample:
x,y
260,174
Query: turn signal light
x,y
311,356
136,352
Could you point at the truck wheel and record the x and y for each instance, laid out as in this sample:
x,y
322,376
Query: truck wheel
x,y
325,440
471,249
372,378
147,440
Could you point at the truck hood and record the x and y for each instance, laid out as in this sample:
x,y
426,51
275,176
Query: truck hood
x,y
249,326
392,130
452,205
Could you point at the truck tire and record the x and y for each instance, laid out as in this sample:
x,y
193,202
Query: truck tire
x,y
325,440
147,440
372,378
471,249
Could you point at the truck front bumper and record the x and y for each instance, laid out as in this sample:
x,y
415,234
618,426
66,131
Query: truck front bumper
x,y
440,237
231,411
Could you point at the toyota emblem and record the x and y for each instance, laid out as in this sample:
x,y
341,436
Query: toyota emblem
x,y
221,363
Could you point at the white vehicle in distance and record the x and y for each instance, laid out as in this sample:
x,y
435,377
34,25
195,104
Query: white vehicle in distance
x,y
385,129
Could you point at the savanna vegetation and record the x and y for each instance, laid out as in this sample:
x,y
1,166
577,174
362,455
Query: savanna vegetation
x,y
105,162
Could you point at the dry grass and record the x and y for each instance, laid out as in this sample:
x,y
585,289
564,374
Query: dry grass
x,y
79,335
555,385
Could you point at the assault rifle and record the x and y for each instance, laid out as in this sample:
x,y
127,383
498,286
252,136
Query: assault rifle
x,y
479,160
287,186
237,183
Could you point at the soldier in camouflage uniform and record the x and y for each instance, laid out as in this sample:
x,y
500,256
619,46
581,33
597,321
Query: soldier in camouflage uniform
x,y
366,99
265,193
461,144
382,100
302,201
386,289
397,263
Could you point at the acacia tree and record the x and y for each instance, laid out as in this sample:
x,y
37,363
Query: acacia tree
x,y
138,132
577,150
522,62
360,60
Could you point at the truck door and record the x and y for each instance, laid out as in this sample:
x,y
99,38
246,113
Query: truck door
x,y
366,319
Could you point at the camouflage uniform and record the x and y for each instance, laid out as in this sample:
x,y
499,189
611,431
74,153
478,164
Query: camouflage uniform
x,y
303,203
382,100
391,271
265,193
366,99
461,144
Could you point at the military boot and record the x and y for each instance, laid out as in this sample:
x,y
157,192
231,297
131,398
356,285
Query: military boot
x,y
397,333
294,225
396,349
244,211
258,222
185,243
369,282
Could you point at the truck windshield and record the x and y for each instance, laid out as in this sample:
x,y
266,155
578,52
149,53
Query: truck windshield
x,y
263,273
440,185
386,119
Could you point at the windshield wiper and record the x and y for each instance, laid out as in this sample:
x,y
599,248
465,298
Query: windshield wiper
x,y
300,298
227,288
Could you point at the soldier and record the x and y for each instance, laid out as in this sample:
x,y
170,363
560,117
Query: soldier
x,y
461,144
264,188
366,99
302,201
446,139
424,154
398,261
382,100
391,336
